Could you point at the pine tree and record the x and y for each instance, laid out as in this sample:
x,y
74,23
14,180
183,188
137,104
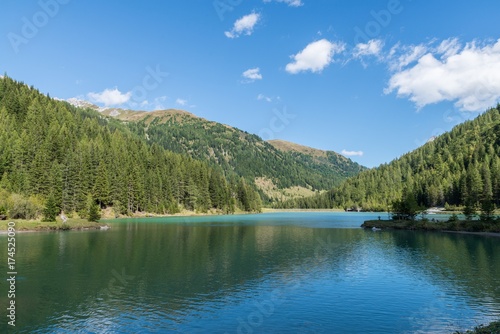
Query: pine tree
x,y
487,209
93,210
51,210
101,191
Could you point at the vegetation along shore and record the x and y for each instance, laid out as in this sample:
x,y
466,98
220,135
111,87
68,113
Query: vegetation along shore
x,y
464,226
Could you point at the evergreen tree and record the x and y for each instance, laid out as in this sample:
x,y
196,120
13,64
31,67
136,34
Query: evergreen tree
x,y
93,210
101,189
50,210
407,207
487,209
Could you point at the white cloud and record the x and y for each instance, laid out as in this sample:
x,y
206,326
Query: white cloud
x,y
352,153
181,102
156,104
400,57
252,74
469,76
449,47
372,48
291,3
314,57
243,25
261,97
110,97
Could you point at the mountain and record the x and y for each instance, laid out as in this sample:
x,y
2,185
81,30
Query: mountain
x,y
279,172
75,158
458,168
327,162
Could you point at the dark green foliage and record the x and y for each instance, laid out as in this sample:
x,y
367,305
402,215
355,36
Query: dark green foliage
x,y
248,198
63,154
406,208
241,154
487,209
492,328
459,168
51,210
93,210
469,210
426,225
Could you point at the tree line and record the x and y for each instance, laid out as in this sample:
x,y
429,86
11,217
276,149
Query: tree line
x,y
458,170
239,153
72,158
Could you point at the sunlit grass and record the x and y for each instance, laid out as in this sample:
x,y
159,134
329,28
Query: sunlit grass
x,y
58,225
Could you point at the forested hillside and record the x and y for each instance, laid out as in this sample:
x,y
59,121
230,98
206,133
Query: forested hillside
x,y
237,152
51,150
331,164
458,168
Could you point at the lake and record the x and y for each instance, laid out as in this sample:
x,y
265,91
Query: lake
x,y
264,273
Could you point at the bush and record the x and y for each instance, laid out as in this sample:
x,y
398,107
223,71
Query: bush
x,y
24,208
3,210
65,227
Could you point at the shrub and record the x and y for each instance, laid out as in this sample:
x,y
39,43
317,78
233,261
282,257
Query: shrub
x,y
24,208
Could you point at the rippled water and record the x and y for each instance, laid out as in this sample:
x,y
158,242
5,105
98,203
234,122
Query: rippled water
x,y
268,273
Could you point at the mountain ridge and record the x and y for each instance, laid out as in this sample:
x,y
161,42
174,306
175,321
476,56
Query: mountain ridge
x,y
273,164
136,115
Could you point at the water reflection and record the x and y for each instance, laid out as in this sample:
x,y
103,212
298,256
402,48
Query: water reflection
x,y
255,278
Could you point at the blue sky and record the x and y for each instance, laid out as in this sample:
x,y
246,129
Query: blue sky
x,y
370,79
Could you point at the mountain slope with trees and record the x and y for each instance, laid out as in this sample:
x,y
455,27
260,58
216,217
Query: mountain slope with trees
x,y
237,152
460,168
331,164
53,154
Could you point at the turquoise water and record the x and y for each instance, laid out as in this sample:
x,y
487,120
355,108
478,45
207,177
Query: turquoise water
x,y
266,273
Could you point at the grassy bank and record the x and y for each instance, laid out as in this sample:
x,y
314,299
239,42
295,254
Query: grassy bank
x,y
423,225
83,224
36,225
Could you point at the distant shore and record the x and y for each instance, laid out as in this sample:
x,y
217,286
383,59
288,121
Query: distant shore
x,y
72,224
271,210
476,227
80,224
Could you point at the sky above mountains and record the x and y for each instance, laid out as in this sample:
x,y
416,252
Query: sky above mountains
x,y
369,79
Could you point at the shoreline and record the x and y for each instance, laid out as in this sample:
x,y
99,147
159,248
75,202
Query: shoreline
x,y
473,227
79,224
272,210
484,234
28,226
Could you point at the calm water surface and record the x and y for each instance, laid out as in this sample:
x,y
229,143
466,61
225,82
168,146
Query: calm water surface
x,y
267,273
